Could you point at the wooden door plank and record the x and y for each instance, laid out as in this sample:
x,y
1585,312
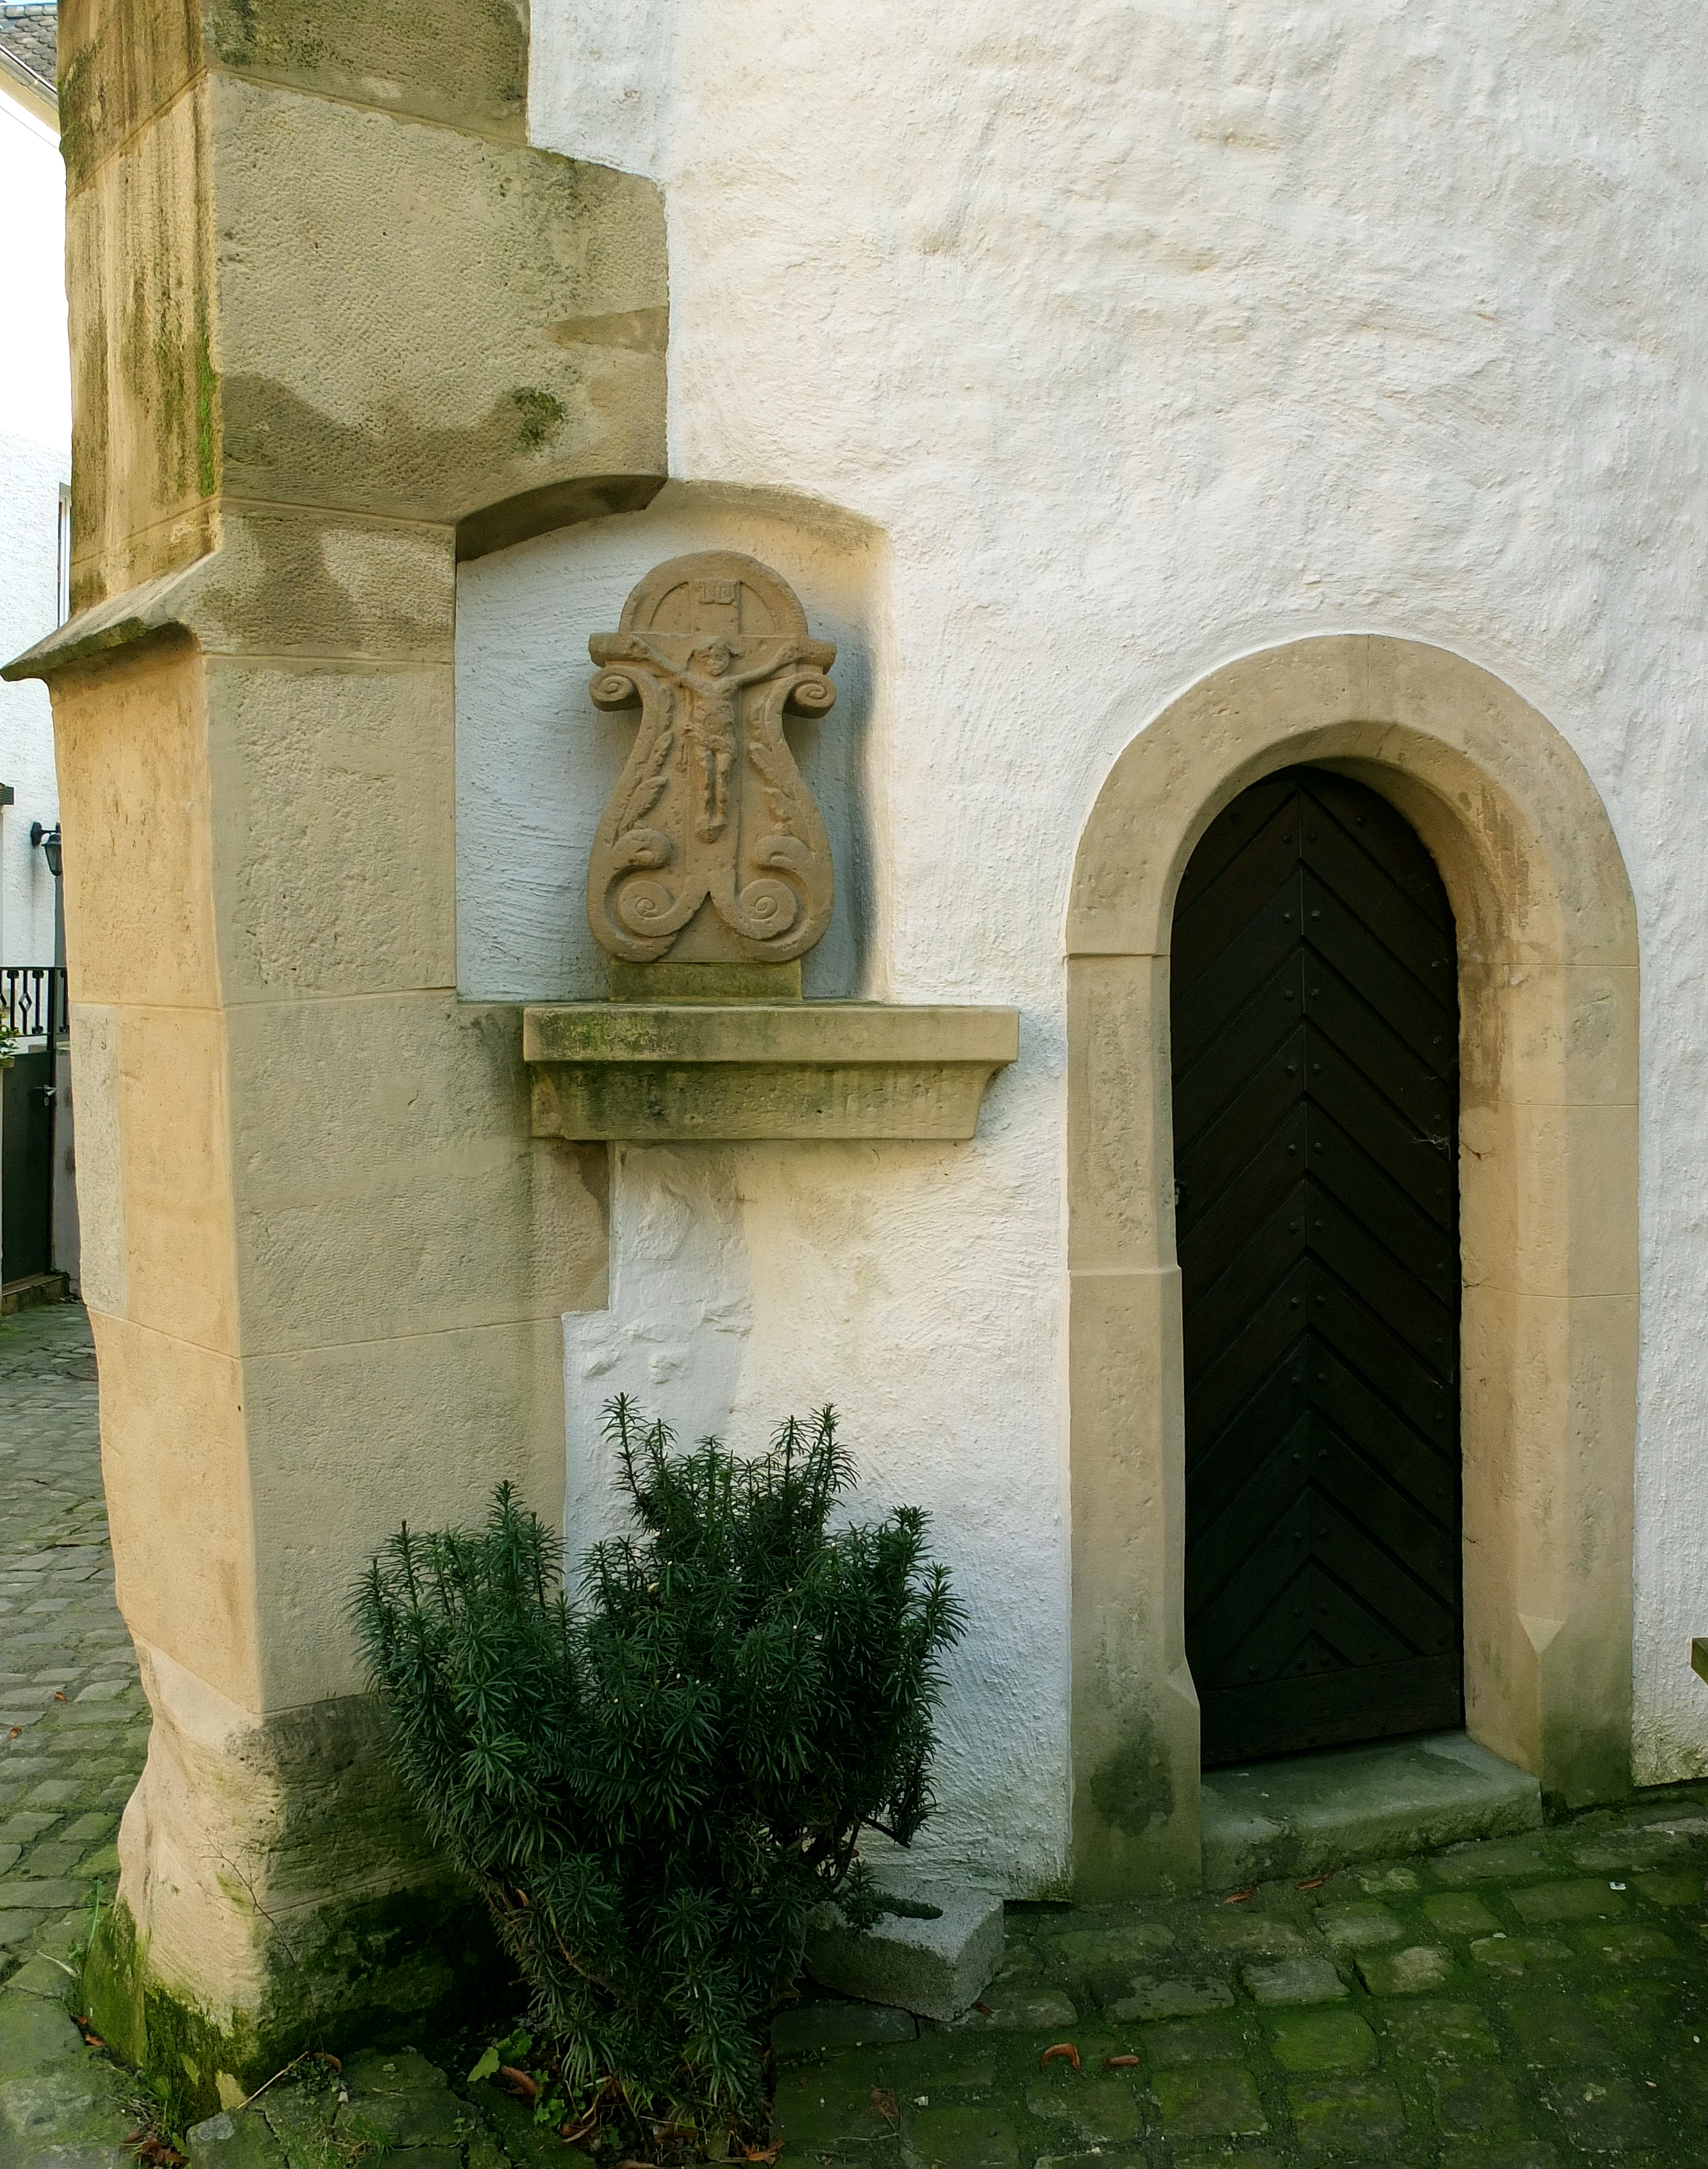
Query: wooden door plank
x,y
1343,1099
1315,1606
1422,1480
1371,1347
1221,1380
1238,1500
1246,1602
1366,1190
1368,1494
1270,1248
1392,913
1266,877
1274,1222
1265,947
1376,830
1422,1463
1229,834
1264,1118
1376,1701
1266,1030
1383,1584
1421,1096
1410,1009
1353,1249
1208,1236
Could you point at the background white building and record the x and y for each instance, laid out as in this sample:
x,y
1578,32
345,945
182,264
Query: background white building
x,y
34,473
35,458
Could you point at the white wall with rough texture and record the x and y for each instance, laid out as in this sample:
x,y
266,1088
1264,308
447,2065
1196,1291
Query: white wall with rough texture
x,y
1133,338
35,438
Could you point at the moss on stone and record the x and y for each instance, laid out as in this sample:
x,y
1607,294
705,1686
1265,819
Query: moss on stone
x,y
77,124
461,60
206,412
183,2052
387,1969
540,415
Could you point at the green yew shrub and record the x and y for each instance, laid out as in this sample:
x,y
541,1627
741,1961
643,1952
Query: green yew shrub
x,y
652,1789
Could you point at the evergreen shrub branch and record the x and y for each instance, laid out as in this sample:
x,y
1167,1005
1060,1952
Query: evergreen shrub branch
x,y
653,1788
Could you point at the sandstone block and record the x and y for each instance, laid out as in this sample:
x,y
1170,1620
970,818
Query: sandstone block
x,y
41,1976
1359,1927
1353,2116
1567,1902
1458,1914
935,1968
1332,2040
398,2099
1101,2158
1194,2041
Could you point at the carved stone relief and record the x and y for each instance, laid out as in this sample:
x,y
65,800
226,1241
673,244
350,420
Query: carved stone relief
x,y
711,849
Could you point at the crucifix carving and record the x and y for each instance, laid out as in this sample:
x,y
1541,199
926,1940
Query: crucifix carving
x,y
710,845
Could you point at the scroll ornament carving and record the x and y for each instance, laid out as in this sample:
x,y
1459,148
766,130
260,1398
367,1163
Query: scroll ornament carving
x,y
711,845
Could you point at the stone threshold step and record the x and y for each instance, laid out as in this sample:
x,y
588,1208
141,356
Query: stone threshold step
x,y
33,1291
1303,1815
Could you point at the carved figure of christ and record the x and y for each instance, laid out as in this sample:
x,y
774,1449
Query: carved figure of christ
x,y
709,729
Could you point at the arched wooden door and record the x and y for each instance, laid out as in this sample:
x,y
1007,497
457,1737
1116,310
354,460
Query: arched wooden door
x,y
1315,1020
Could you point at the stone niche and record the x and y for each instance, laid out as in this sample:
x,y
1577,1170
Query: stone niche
x,y
709,879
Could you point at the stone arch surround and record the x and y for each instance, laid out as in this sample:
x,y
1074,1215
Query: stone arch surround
x,y
1548,987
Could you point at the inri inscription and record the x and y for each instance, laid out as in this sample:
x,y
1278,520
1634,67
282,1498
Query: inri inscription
x,y
711,849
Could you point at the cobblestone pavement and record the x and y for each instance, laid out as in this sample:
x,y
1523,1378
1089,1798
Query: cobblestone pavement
x,y
73,1724
1522,2004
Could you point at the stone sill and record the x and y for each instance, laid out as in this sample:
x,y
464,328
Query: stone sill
x,y
667,1072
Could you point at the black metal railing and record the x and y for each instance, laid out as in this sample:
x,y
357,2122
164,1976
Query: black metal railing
x,y
32,1000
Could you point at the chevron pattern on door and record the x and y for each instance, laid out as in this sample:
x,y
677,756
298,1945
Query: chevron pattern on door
x,y
1316,1035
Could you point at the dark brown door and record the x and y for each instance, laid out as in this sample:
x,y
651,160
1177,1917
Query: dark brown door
x,y
26,1165
1316,1037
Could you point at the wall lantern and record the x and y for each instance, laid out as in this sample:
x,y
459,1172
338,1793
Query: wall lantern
x,y
48,839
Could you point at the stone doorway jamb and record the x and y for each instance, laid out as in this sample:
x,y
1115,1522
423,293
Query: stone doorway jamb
x,y
1548,985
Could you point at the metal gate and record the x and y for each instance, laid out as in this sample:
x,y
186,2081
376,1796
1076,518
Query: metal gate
x,y
32,1007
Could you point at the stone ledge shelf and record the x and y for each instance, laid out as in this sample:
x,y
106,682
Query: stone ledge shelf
x,y
664,1072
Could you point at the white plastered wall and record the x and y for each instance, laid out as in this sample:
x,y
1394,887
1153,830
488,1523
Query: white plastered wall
x,y
750,1282
1142,337
35,435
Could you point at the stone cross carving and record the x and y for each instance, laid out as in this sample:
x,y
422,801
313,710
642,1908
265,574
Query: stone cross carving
x,y
710,844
